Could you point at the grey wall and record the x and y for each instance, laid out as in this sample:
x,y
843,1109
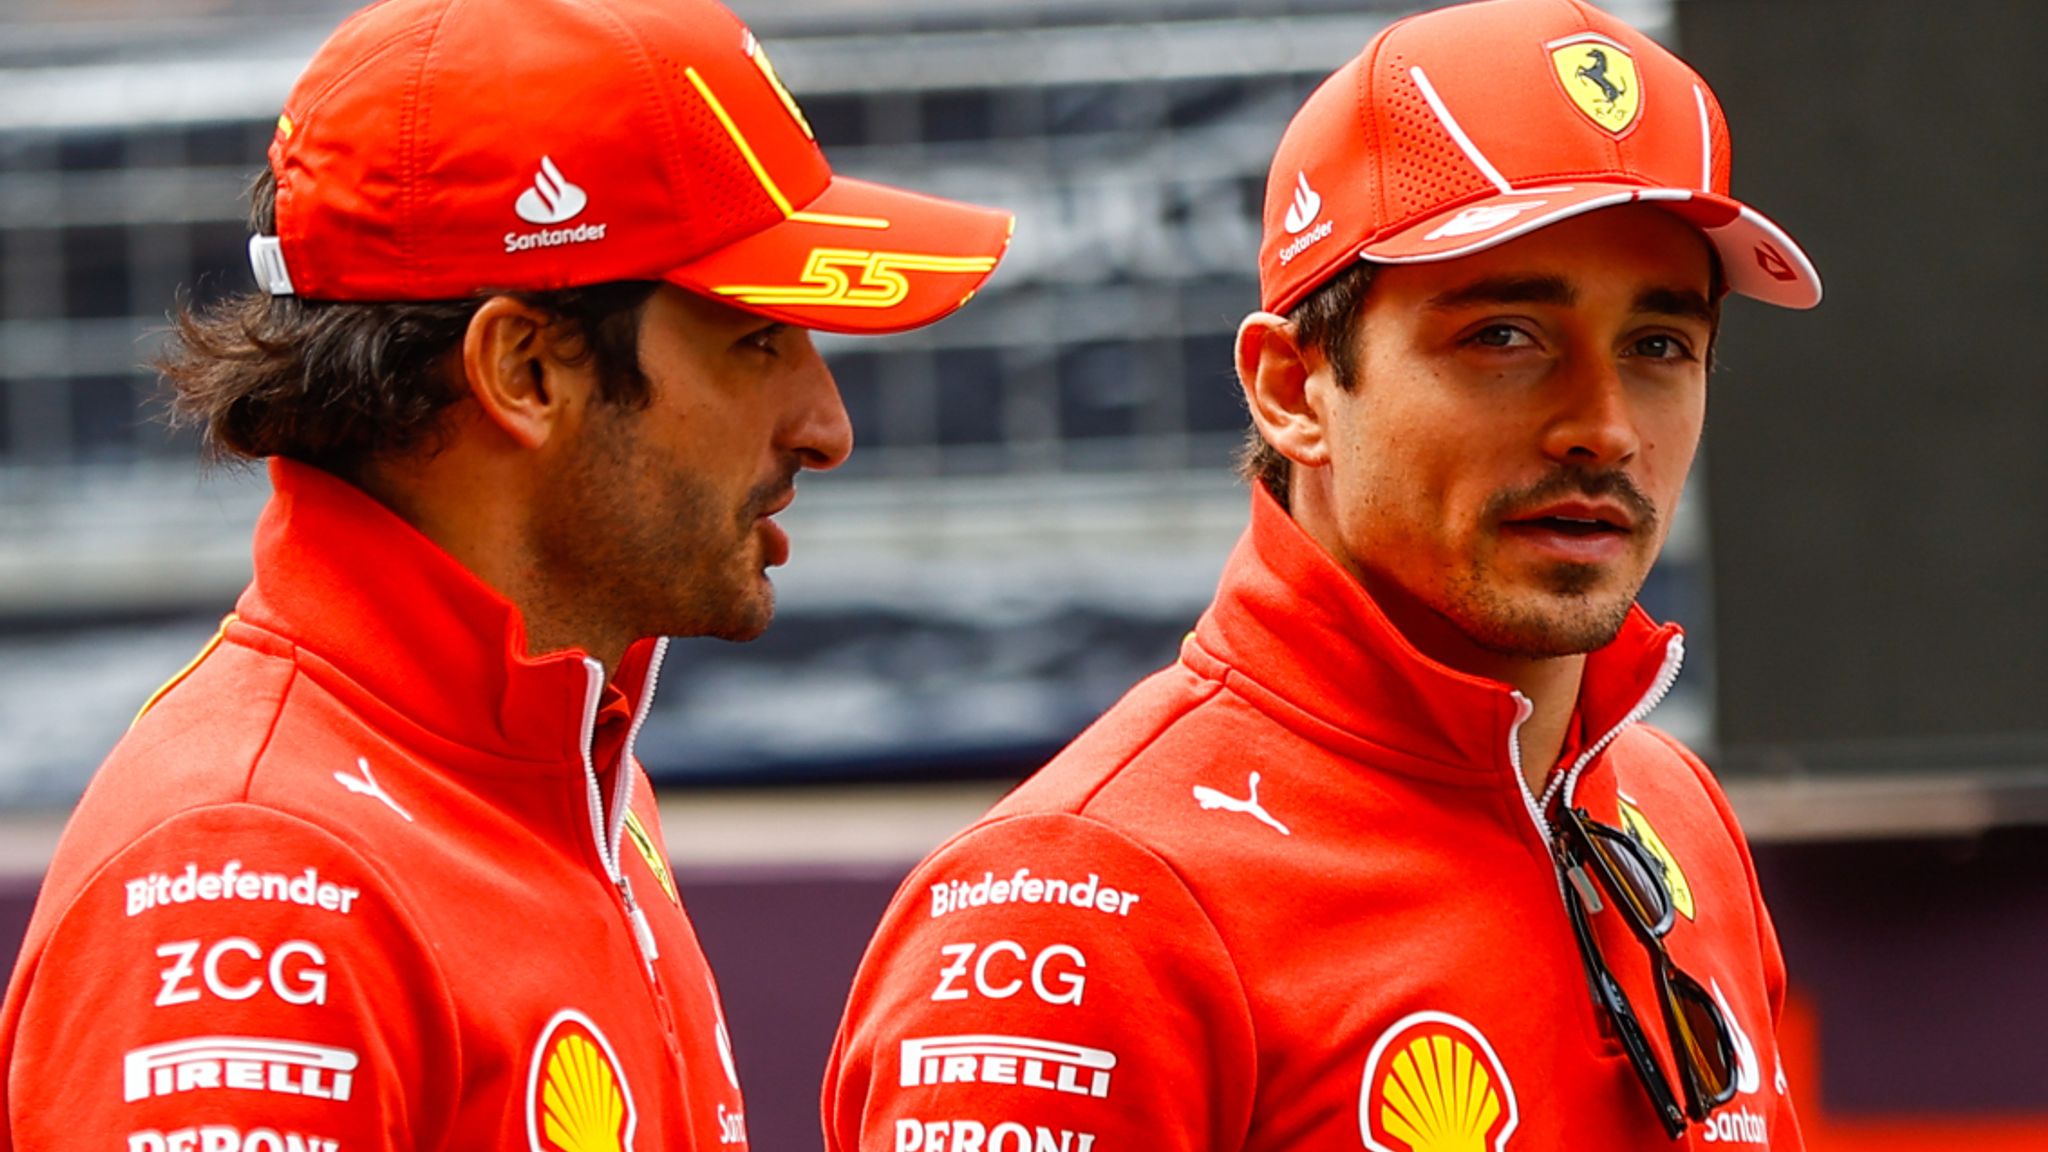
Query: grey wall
x,y
1879,480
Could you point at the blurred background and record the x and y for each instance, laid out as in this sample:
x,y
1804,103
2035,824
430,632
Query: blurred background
x,y
1042,496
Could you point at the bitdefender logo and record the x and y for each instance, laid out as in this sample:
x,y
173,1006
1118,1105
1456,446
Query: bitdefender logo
x,y
551,200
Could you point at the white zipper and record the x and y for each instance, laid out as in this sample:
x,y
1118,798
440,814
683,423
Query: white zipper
x,y
1667,675
608,833
1523,710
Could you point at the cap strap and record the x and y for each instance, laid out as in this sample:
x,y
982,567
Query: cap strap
x,y
266,259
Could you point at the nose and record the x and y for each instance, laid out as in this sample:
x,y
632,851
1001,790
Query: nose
x,y
1594,424
820,433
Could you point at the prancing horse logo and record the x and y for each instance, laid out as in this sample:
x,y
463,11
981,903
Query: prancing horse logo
x,y
1599,77
1595,70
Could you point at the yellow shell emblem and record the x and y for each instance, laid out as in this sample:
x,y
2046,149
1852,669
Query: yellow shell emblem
x,y
1434,1084
1638,827
577,1097
1600,78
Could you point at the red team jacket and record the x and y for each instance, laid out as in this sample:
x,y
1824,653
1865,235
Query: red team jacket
x,y
367,877
1291,893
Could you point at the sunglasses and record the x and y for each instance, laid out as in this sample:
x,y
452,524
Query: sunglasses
x,y
1634,881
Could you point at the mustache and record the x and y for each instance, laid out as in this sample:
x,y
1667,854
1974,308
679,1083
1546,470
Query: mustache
x,y
1564,482
764,495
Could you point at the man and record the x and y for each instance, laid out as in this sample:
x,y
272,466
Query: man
x,y
379,870
1387,859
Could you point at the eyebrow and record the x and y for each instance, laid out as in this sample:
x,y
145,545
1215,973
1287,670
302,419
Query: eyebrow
x,y
1506,290
1681,302
1555,290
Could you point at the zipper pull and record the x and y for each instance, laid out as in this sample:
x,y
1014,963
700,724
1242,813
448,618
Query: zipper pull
x,y
643,932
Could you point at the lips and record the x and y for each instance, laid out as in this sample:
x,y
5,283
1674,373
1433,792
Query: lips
x,y
1576,518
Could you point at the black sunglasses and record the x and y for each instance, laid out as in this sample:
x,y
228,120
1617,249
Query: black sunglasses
x,y
1701,1039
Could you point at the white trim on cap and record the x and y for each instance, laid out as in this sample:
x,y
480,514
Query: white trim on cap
x,y
1736,241
1450,123
1699,98
266,259
1589,37
1523,227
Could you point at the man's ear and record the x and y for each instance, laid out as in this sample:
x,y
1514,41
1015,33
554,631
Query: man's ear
x,y
514,366
1274,369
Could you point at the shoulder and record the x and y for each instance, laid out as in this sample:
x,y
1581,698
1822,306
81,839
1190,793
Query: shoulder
x,y
229,942
1005,979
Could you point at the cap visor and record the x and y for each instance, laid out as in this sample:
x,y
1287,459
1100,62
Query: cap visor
x,y
1758,258
859,258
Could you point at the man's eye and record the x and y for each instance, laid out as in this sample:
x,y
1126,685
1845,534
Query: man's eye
x,y
1663,347
1501,336
765,340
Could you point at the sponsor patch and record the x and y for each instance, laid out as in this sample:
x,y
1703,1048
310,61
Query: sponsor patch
x,y
1638,827
163,889
1434,1084
1001,969
1599,77
577,1098
644,844
243,1063
1021,887
226,1138
1025,1061
975,1136
235,969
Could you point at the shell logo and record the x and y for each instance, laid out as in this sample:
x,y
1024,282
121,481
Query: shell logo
x,y
577,1099
1434,1084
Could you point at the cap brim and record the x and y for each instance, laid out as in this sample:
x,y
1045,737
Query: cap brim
x,y
859,258
1758,258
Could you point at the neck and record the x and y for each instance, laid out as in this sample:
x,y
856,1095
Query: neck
x,y
472,512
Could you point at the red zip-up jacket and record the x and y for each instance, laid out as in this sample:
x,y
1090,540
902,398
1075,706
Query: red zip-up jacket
x,y
368,877
1293,893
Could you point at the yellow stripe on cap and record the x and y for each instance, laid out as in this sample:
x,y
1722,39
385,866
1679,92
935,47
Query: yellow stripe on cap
x,y
739,140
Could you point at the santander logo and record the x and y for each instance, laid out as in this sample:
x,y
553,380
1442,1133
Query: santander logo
x,y
552,199
1306,207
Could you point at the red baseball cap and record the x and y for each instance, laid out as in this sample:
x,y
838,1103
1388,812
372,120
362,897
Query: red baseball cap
x,y
1463,128
441,149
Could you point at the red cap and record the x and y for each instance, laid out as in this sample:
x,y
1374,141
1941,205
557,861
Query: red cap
x,y
440,149
1463,128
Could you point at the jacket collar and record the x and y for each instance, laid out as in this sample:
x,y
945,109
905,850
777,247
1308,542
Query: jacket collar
x,y
1316,648
345,579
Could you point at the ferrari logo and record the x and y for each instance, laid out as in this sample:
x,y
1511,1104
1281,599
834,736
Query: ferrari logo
x,y
1638,827
1600,77
759,56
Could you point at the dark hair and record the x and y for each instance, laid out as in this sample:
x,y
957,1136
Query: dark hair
x,y
337,384
1323,321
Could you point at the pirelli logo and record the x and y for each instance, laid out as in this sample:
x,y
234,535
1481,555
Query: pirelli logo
x,y
1025,1061
248,1063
